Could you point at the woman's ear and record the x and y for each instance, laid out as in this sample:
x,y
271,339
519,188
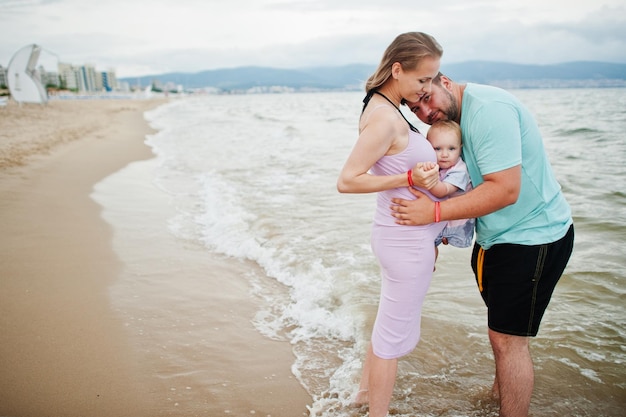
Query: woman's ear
x,y
396,68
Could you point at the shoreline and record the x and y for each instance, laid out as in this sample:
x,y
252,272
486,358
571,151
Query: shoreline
x,y
66,350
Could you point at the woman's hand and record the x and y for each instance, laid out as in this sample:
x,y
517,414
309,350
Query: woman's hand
x,y
425,175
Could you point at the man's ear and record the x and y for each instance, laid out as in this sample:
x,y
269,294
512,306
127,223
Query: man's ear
x,y
446,82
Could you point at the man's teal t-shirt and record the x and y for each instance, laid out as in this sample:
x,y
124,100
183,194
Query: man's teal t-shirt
x,y
500,133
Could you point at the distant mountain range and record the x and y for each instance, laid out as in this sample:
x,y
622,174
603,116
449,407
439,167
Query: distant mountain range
x,y
352,77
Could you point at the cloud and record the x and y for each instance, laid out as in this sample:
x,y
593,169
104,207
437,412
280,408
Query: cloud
x,y
600,36
139,37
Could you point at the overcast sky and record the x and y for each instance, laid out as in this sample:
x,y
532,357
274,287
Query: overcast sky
x,y
143,37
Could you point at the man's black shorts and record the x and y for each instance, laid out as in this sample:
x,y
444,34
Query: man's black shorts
x,y
517,281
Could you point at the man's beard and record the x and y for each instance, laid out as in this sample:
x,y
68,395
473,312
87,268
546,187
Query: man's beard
x,y
452,112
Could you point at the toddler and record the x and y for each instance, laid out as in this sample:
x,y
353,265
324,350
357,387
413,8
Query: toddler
x,y
445,138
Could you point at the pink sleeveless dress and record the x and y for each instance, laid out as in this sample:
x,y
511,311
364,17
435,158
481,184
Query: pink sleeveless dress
x,y
406,255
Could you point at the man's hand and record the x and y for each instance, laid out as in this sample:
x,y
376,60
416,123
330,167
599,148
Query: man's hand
x,y
413,212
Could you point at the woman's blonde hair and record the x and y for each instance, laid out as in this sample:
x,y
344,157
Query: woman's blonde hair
x,y
408,49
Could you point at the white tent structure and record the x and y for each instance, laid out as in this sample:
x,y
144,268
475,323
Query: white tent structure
x,y
24,84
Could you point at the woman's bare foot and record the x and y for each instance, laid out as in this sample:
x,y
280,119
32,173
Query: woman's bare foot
x,y
361,398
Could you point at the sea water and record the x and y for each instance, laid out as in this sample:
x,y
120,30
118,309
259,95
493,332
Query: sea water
x,y
253,177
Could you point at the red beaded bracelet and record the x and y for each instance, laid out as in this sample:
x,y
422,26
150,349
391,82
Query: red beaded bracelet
x,y
409,176
437,212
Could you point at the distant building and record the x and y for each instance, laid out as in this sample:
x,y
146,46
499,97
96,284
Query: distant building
x,y
88,79
69,76
84,78
123,86
3,77
109,80
48,78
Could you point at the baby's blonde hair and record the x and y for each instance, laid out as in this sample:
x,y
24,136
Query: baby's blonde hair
x,y
447,125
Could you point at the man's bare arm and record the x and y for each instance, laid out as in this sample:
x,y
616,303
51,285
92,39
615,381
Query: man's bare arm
x,y
499,189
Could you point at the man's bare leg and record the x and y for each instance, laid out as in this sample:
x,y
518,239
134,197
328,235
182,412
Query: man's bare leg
x,y
495,390
514,373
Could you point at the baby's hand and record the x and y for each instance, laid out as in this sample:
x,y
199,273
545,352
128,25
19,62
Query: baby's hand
x,y
426,166
426,174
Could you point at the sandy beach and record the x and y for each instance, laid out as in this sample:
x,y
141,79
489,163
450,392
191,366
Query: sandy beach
x,y
65,350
